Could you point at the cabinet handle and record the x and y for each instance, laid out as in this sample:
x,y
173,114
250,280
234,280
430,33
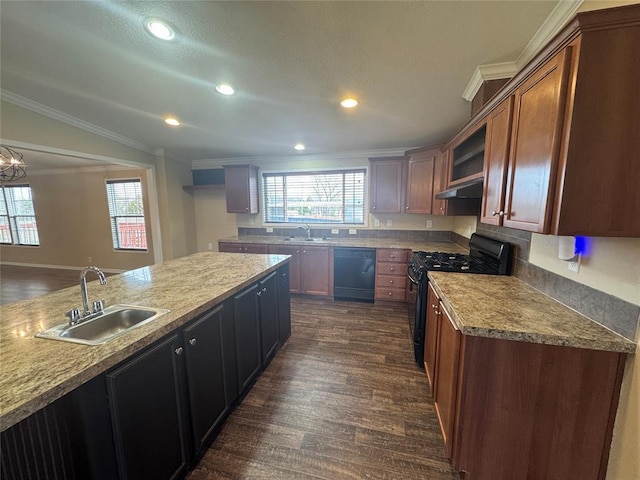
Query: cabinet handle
x,y
407,207
264,289
259,293
390,281
441,209
246,209
192,342
374,207
392,256
179,351
284,275
499,214
392,269
390,294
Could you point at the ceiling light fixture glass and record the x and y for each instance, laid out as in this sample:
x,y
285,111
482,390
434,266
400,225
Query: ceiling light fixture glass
x,y
349,102
225,89
160,30
172,121
12,167
299,147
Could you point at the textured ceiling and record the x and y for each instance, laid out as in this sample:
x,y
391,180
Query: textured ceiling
x,y
290,62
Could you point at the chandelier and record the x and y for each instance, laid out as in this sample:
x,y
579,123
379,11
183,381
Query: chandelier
x,y
12,167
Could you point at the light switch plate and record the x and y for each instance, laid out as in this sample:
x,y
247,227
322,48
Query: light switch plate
x,y
429,223
389,223
269,230
352,231
376,222
575,265
335,231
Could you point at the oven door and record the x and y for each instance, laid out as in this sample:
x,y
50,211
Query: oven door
x,y
417,323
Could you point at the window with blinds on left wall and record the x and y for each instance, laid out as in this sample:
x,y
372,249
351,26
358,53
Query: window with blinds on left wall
x,y
17,216
126,211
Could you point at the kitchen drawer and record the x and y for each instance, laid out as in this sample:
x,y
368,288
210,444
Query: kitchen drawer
x,y
386,268
391,294
392,255
392,281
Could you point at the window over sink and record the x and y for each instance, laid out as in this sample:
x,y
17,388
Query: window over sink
x,y
328,197
126,211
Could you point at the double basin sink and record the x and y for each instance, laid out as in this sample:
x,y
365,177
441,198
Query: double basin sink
x,y
112,322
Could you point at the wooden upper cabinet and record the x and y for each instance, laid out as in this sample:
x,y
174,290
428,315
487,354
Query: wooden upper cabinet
x,y
386,184
241,183
420,180
495,163
440,172
535,145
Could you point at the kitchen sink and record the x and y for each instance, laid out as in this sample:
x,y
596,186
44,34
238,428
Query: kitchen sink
x,y
111,323
314,239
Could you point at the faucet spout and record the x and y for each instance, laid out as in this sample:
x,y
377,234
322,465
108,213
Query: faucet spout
x,y
83,286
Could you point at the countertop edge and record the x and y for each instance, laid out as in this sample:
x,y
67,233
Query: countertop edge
x,y
620,345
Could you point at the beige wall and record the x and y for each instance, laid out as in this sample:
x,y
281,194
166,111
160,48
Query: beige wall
x,y
171,211
72,214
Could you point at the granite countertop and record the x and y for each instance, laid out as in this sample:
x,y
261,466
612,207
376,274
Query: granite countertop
x,y
34,371
504,307
415,245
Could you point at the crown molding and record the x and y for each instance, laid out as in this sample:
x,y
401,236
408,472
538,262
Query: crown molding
x,y
490,71
41,109
557,19
79,170
218,162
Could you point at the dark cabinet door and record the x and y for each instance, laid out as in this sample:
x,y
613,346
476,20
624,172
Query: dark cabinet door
x,y
284,305
241,183
149,413
245,306
293,265
203,347
268,294
420,182
386,184
229,351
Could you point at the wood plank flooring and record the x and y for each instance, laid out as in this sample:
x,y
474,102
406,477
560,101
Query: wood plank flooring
x,y
21,283
343,399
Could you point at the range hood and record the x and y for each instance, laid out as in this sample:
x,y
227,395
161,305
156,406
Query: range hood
x,y
470,189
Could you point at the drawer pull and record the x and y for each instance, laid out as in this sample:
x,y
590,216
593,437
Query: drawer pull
x,y
391,281
391,294
392,269
179,351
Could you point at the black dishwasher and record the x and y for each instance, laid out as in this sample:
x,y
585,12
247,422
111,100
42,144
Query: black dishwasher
x,y
354,274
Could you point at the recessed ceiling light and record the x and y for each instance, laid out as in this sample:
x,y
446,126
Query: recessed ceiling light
x,y
225,89
172,121
349,102
160,29
299,147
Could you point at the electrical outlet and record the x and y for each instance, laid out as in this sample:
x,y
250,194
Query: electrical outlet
x,y
269,230
353,231
335,231
251,221
90,259
574,266
210,246
429,223
389,223
376,222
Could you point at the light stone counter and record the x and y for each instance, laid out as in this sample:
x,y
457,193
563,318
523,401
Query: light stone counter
x,y
34,371
504,307
415,245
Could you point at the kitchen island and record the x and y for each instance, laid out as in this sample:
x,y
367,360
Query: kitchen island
x,y
236,307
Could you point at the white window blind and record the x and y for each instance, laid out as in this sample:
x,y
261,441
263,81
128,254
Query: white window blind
x,y
126,210
333,197
17,216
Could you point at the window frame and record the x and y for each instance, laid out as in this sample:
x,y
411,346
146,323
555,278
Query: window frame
x,y
319,224
113,230
14,231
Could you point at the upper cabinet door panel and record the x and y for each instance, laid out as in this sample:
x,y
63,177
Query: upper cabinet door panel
x,y
387,185
420,182
495,163
535,145
242,188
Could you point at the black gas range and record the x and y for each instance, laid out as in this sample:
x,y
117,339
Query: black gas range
x,y
486,256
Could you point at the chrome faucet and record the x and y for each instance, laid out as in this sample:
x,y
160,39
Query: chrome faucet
x,y
308,229
75,315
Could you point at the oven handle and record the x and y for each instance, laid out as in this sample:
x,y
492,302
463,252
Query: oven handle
x,y
411,278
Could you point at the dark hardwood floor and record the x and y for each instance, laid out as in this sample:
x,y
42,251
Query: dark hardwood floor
x,y
20,283
343,399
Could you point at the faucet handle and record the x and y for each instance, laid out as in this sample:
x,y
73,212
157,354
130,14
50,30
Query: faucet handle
x,y
73,315
98,306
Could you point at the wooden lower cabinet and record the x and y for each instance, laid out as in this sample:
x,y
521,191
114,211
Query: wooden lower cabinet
x,y
234,247
446,372
525,410
295,284
391,274
314,270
